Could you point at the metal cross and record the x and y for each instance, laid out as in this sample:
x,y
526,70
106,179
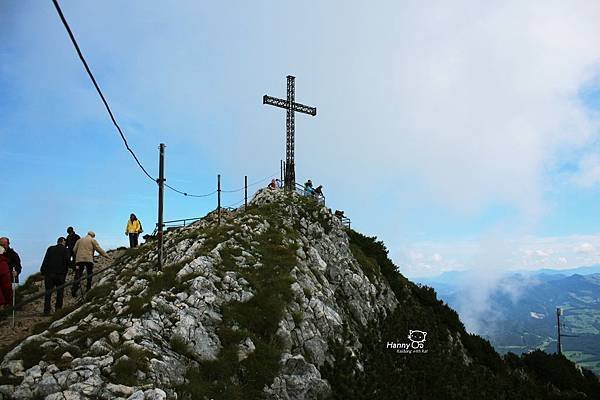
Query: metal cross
x,y
291,106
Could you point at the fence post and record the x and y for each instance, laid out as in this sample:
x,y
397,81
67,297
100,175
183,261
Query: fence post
x,y
161,182
219,198
245,192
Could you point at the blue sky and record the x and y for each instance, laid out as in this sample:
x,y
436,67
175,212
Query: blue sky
x,y
462,135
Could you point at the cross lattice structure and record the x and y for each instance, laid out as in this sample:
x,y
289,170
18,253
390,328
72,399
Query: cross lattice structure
x,y
291,106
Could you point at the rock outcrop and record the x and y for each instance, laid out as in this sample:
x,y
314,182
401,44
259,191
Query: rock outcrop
x,y
269,288
277,301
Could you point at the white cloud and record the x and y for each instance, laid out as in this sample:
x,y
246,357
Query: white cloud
x,y
588,173
496,256
585,248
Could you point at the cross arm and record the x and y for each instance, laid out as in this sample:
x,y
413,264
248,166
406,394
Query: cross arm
x,y
274,101
304,109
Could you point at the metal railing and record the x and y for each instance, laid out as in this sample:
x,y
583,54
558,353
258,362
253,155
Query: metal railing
x,y
345,221
67,284
176,223
306,192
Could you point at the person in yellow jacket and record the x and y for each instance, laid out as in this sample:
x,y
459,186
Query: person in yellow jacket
x,y
133,230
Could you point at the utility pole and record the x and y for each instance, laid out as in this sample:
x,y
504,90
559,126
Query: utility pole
x,y
559,312
161,187
281,171
245,192
219,198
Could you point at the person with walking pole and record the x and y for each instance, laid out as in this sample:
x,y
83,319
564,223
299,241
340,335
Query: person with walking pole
x,y
14,261
14,292
6,292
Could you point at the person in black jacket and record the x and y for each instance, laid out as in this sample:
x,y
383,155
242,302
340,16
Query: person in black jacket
x,y
14,261
72,238
54,268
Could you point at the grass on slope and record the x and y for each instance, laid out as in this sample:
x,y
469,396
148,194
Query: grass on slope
x,y
227,377
447,370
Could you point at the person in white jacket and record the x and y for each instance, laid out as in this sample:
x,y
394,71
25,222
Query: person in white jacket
x,y
84,258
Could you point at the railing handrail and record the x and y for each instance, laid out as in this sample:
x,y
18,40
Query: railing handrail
x,y
301,189
64,285
184,220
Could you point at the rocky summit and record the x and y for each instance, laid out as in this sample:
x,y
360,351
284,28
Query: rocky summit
x,y
277,301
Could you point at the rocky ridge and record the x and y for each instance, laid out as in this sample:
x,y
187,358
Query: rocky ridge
x,y
244,309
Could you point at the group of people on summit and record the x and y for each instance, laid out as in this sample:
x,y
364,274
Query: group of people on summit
x,y
309,190
70,252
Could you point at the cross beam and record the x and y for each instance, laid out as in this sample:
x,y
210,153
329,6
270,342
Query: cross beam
x,y
292,107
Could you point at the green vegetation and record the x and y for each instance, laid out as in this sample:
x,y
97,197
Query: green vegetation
x,y
181,346
30,287
165,280
94,333
442,372
257,319
129,360
99,292
10,380
32,353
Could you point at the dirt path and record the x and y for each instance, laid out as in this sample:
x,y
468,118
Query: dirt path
x,y
32,314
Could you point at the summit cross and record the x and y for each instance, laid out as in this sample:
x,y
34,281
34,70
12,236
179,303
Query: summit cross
x,y
291,106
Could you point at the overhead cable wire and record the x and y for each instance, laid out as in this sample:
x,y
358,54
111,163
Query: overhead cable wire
x,y
235,204
189,194
108,109
89,72
250,184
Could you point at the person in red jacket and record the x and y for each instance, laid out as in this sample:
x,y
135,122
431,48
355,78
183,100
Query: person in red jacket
x,y
5,279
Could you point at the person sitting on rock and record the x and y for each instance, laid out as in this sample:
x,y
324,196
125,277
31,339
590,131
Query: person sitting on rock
x,y
273,184
319,191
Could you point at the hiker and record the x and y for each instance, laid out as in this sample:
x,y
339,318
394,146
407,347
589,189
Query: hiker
x,y
308,188
273,184
54,269
14,261
319,191
133,229
5,280
84,258
339,214
70,241
279,183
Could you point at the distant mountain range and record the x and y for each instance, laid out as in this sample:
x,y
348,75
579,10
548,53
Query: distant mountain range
x,y
520,314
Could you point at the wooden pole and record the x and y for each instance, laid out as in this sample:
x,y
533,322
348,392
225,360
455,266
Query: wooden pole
x,y
161,187
558,346
219,198
245,191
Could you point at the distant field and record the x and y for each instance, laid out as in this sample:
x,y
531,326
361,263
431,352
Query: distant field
x,y
533,316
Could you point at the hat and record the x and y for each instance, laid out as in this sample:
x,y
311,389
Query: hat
x,y
91,233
